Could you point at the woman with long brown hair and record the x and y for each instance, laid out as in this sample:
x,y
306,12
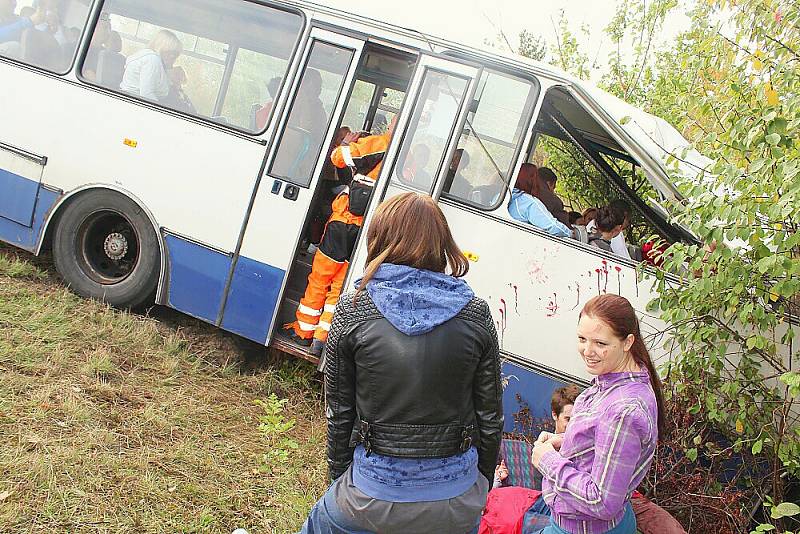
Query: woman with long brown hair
x,y
526,207
412,376
591,470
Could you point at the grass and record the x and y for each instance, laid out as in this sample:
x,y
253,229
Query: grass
x,y
117,422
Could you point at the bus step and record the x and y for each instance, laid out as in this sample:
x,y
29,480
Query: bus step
x,y
282,343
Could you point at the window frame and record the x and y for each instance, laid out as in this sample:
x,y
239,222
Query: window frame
x,y
283,124
529,121
86,41
391,176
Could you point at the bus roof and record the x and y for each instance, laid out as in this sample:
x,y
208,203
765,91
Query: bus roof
x,y
655,138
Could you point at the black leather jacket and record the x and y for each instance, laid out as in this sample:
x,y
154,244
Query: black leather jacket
x,y
427,396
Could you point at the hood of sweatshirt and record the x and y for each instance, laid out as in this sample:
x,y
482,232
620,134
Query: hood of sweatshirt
x,y
416,301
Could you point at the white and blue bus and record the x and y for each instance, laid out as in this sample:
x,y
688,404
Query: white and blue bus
x,y
171,152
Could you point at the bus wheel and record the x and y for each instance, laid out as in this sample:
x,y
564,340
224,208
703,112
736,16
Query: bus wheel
x,y
106,248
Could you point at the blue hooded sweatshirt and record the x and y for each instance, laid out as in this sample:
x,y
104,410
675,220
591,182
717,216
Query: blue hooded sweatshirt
x,y
415,301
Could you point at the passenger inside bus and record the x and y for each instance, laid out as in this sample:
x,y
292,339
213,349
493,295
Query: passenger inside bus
x,y
177,97
606,228
455,182
526,207
111,62
99,43
262,114
146,70
547,194
413,172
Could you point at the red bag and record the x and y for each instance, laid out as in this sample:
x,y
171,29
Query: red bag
x,y
505,509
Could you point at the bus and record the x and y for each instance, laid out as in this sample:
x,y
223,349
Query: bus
x,y
172,152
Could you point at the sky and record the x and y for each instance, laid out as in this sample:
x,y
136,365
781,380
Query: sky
x,y
472,21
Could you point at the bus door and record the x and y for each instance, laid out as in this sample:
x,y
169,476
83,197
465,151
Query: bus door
x,y
20,176
284,192
425,139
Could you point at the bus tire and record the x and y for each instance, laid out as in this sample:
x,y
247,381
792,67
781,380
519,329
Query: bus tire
x,y
106,248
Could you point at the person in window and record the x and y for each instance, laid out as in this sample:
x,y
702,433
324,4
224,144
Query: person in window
x,y
413,391
146,70
414,173
547,187
526,207
489,194
608,223
263,113
177,97
617,243
13,26
99,43
454,182
591,470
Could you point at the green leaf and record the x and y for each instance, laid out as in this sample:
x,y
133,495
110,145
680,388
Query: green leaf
x,y
757,446
785,509
691,454
626,119
773,139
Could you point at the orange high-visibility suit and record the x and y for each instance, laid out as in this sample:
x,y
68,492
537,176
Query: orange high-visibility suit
x,y
332,259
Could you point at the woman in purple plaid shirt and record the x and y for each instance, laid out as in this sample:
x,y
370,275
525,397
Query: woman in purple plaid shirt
x,y
591,470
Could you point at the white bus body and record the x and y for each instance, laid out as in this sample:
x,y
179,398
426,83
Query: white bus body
x,y
202,207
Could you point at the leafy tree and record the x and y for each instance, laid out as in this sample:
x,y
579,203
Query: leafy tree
x,y
731,317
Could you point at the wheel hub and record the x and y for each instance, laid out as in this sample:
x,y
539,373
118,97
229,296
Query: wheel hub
x,y
115,246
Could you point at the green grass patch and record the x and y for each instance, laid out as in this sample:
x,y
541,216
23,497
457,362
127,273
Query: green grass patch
x,y
118,422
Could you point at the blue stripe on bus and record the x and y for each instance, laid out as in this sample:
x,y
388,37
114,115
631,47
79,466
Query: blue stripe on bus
x,y
252,299
25,236
197,277
17,197
526,399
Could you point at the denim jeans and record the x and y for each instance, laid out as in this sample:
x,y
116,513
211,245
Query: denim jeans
x,y
626,526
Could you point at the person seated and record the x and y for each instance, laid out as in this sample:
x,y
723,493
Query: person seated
x,y
454,182
574,217
413,171
100,39
111,62
490,194
561,403
263,113
510,517
617,243
12,26
547,188
526,207
146,71
177,97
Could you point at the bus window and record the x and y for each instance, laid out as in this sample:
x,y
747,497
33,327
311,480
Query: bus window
x,y
430,128
355,116
44,34
492,135
212,58
310,115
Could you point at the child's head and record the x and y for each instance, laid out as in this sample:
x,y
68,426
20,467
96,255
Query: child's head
x,y
561,404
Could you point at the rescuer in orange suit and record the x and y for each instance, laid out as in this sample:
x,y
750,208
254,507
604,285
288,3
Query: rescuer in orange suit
x,y
332,258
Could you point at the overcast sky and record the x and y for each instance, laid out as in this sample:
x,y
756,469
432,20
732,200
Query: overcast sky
x,y
472,21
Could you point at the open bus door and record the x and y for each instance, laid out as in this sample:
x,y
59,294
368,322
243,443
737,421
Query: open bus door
x,y
285,190
436,107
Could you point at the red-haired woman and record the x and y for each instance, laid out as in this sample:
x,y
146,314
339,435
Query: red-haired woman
x,y
526,207
591,470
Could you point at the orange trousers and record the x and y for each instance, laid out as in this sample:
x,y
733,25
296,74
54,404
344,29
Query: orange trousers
x,y
328,271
